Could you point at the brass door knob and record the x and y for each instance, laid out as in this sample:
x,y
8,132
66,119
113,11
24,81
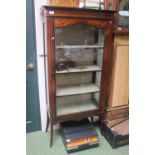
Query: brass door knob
x,y
30,66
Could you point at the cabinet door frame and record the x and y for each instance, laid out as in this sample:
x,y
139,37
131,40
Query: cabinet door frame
x,y
52,23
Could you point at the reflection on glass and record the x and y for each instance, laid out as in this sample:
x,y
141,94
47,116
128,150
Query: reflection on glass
x,y
79,54
110,5
123,13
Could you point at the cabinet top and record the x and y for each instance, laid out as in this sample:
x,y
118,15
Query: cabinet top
x,y
50,11
52,8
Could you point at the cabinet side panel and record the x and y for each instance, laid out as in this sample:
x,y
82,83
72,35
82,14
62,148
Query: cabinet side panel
x,y
120,78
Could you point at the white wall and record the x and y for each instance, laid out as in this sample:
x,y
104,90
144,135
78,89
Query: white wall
x,y
40,61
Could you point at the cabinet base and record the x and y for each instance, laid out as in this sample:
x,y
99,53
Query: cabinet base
x,y
116,113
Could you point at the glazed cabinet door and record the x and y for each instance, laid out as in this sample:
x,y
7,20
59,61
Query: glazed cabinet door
x,y
76,60
79,48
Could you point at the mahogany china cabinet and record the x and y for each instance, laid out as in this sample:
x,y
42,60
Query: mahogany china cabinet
x,y
78,50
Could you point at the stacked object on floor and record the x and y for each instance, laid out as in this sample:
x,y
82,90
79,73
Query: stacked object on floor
x,y
116,131
78,135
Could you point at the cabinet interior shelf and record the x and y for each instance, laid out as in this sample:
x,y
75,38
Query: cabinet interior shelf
x,y
77,89
78,46
80,69
75,107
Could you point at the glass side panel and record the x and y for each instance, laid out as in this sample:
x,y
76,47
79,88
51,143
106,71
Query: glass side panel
x,y
79,54
123,19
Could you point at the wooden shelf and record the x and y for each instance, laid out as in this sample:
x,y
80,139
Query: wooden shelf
x,y
75,107
80,69
77,89
78,46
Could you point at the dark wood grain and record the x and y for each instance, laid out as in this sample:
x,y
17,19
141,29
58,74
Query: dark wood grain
x,y
62,22
61,12
106,71
51,71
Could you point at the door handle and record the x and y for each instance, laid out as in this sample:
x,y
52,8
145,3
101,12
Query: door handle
x,y
30,66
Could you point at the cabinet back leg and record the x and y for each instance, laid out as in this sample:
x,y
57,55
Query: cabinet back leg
x,y
92,120
51,140
47,123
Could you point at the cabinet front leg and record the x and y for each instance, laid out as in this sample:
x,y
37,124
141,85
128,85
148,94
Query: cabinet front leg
x,y
101,118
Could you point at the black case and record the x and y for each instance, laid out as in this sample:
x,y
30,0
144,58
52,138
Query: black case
x,y
74,130
113,138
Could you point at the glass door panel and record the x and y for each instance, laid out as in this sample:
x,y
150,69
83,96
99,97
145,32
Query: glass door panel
x,y
123,19
79,53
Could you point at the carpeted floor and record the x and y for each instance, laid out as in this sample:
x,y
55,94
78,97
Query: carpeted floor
x,y
37,143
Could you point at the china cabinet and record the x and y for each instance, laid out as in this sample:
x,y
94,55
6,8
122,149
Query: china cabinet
x,y
78,50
